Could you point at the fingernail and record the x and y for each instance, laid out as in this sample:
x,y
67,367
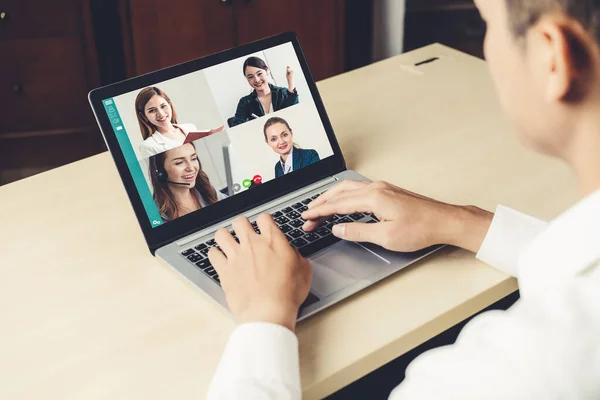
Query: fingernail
x,y
339,230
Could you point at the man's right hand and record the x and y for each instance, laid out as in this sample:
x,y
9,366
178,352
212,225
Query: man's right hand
x,y
408,221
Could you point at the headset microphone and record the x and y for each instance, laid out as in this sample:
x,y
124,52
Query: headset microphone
x,y
180,183
161,174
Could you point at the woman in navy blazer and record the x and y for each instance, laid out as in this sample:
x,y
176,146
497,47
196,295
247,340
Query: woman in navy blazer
x,y
280,137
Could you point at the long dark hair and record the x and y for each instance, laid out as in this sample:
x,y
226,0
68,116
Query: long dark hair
x,y
255,62
141,100
163,197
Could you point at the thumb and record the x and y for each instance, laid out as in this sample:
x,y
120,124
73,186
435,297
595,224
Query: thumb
x,y
359,232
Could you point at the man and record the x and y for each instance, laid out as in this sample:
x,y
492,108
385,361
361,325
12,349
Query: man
x,y
544,56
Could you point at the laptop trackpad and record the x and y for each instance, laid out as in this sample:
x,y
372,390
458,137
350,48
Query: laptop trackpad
x,y
341,265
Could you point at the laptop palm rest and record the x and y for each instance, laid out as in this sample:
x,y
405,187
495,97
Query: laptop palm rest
x,y
341,265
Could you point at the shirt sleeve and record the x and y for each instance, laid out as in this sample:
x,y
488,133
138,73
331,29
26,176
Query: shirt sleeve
x,y
547,346
221,196
509,234
260,361
289,98
242,113
146,149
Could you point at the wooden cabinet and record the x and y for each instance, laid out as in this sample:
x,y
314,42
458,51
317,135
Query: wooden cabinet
x,y
167,33
47,67
455,23
159,34
318,23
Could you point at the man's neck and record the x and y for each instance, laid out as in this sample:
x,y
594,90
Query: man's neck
x,y
583,153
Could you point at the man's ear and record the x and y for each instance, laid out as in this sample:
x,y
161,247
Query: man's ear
x,y
559,50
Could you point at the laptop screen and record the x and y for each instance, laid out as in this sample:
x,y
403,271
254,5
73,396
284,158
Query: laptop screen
x,y
198,139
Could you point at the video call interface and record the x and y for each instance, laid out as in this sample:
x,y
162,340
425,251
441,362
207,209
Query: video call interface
x,y
200,138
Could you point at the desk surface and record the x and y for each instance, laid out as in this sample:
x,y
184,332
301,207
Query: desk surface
x,y
87,313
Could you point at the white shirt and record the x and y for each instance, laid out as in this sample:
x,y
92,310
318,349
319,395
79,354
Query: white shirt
x,y
547,346
204,203
158,143
288,166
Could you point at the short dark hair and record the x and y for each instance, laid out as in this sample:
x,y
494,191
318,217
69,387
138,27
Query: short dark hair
x,y
256,63
273,121
523,14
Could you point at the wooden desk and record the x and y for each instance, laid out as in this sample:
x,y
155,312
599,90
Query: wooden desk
x,y
87,313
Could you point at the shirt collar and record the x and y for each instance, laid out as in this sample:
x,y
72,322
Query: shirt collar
x,y
289,163
568,247
160,139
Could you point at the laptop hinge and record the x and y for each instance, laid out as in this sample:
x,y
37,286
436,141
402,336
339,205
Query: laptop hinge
x,y
259,210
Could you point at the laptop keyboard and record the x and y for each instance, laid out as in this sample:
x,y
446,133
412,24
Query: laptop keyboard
x,y
290,222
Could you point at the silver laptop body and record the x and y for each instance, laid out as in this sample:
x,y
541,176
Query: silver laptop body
x,y
340,268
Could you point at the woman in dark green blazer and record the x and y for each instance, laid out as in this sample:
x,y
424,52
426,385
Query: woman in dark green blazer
x,y
280,137
265,98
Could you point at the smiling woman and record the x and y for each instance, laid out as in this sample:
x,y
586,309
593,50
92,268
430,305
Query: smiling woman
x,y
280,137
158,122
265,97
180,185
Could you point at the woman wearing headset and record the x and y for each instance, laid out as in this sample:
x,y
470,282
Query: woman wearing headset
x,y
280,137
265,98
158,122
180,184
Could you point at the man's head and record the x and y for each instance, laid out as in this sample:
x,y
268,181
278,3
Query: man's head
x,y
544,58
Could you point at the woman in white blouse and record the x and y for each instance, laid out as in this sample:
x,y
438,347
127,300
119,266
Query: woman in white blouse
x,y
158,122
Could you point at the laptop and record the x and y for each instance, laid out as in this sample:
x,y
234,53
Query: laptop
x,y
262,154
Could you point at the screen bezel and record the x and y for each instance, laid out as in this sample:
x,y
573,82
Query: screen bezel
x,y
157,237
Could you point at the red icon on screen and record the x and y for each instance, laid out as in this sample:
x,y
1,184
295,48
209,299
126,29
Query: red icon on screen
x,y
247,183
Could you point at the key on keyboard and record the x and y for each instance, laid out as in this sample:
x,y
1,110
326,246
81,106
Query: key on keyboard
x,y
194,257
356,216
285,228
323,231
297,243
296,233
297,223
204,264
311,237
281,220
293,215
